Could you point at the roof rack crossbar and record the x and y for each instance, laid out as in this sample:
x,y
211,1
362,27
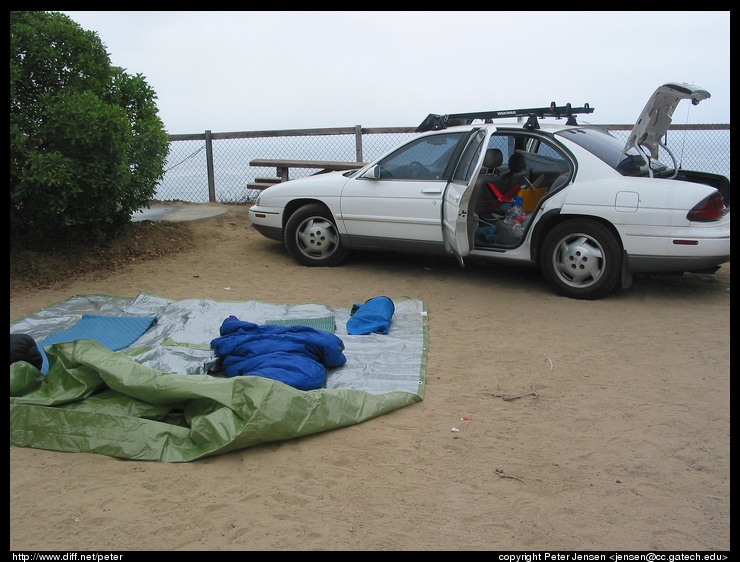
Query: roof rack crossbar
x,y
436,122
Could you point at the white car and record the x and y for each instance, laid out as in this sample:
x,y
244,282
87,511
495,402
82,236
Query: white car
x,y
590,210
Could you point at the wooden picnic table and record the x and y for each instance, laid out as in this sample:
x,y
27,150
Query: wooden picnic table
x,y
282,166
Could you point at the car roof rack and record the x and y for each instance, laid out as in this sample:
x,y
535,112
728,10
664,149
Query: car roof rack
x,y
434,122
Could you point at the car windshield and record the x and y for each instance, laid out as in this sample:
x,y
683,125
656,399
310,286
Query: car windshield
x,y
608,148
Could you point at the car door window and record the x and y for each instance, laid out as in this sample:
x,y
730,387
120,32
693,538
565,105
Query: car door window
x,y
468,164
426,158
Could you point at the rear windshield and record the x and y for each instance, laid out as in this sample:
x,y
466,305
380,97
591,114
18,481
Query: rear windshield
x,y
608,148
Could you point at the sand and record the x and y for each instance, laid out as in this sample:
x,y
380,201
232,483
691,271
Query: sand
x,y
582,426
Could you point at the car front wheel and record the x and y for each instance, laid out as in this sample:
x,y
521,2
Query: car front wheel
x,y
581,259
312,239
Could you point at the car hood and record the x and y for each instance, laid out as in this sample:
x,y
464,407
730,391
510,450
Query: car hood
x,y
655,119
327,183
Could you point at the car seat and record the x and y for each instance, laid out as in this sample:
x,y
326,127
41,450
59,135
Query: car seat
x,y
504,189
560,181
515,176
492,160
484,197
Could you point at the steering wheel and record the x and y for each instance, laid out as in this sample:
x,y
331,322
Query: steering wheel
x,y
417,170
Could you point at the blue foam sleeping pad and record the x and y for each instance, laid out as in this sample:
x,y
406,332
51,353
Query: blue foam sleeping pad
x,y
113,332
372,317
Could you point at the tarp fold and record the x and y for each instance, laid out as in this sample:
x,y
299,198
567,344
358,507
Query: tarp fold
x,y
100,401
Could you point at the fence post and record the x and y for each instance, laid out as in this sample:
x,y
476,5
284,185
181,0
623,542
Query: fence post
x,y
209,168
358,143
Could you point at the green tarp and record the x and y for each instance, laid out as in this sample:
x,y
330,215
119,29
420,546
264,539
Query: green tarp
x,y
100,401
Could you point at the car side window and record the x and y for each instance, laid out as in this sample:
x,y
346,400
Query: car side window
x,y
545,149
508,144
504,143
544,163
424,158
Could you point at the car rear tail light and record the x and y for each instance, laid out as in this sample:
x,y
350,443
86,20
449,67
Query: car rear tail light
x,y
710,209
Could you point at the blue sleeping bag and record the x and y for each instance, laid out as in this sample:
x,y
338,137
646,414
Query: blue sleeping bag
x,y
295,355
373,316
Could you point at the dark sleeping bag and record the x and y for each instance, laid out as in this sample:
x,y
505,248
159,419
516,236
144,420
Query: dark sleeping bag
x,y
23,348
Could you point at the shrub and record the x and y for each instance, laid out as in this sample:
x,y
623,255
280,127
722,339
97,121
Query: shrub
x,y
87,147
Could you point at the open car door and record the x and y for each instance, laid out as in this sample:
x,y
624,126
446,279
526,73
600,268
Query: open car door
x,y
458,219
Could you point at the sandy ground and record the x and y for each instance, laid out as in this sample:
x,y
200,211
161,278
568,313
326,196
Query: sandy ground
x,y
591,425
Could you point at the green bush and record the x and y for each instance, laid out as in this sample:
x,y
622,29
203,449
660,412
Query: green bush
x,y
87,147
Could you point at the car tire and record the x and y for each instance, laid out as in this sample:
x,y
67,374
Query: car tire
x,y
581,259
312,238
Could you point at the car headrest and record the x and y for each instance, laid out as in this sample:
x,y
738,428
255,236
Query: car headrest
x,y
493,158
516,162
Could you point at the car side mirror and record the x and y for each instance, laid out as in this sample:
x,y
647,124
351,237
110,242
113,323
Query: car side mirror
x,y
374,172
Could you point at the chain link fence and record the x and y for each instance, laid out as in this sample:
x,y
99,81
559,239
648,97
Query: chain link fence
x,y
214,167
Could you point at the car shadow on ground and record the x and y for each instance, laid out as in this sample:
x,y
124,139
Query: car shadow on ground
x,y
527,278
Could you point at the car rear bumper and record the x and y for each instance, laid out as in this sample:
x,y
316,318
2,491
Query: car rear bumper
x,y
702,247
672,264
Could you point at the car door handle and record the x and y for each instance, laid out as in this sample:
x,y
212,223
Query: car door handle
x,y
434,190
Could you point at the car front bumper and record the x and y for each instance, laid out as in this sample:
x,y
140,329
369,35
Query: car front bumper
x,y
267,221
269,232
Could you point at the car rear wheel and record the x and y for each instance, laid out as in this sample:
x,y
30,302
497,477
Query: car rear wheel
x,y
312,239
581,259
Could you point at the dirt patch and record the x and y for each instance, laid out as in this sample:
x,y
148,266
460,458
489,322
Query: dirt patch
x,y
547,423
146,240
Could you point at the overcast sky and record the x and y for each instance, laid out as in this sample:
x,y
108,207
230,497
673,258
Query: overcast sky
x,y
252,71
